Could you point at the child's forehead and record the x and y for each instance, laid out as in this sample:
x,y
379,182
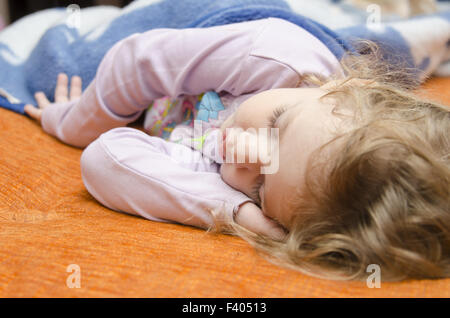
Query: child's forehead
x,y
313,109
306,126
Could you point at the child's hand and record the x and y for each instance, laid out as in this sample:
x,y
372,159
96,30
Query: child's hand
x,y
252,218
61,95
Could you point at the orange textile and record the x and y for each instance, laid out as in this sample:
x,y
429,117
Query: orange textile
x,y
49,221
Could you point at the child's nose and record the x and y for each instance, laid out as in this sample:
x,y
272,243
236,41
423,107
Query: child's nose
x,y
249,168
241,147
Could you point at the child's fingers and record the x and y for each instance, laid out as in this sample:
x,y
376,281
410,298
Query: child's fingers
x,y
41,100
61,90
75,87
33,112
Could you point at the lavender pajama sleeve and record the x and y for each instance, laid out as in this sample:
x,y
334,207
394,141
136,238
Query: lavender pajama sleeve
x,y
129,171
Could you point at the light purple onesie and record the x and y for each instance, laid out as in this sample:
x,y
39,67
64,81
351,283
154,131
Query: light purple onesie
x,y
128,170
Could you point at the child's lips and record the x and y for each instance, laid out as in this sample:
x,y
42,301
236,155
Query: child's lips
x,y
224,144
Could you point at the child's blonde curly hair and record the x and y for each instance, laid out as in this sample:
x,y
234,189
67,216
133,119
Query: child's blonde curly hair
x,y
383,197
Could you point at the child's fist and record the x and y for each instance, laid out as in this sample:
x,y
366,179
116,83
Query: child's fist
x,y
252,218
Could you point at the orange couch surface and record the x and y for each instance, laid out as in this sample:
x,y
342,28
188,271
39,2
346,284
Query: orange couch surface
x,y
49,221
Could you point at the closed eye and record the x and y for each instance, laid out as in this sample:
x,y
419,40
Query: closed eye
x,y
256,189
275,115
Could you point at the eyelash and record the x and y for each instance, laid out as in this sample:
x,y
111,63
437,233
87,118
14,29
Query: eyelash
x,y
271,123
276,114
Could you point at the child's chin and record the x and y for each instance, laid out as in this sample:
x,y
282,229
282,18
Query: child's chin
x,y
221,171
223,175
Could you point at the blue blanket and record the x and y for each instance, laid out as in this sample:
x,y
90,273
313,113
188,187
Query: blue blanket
x,y
39,46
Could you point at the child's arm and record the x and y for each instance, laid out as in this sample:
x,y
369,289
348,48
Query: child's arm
x,y
163,62
127,170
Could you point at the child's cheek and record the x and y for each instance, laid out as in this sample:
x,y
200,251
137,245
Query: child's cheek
x,y
225,173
